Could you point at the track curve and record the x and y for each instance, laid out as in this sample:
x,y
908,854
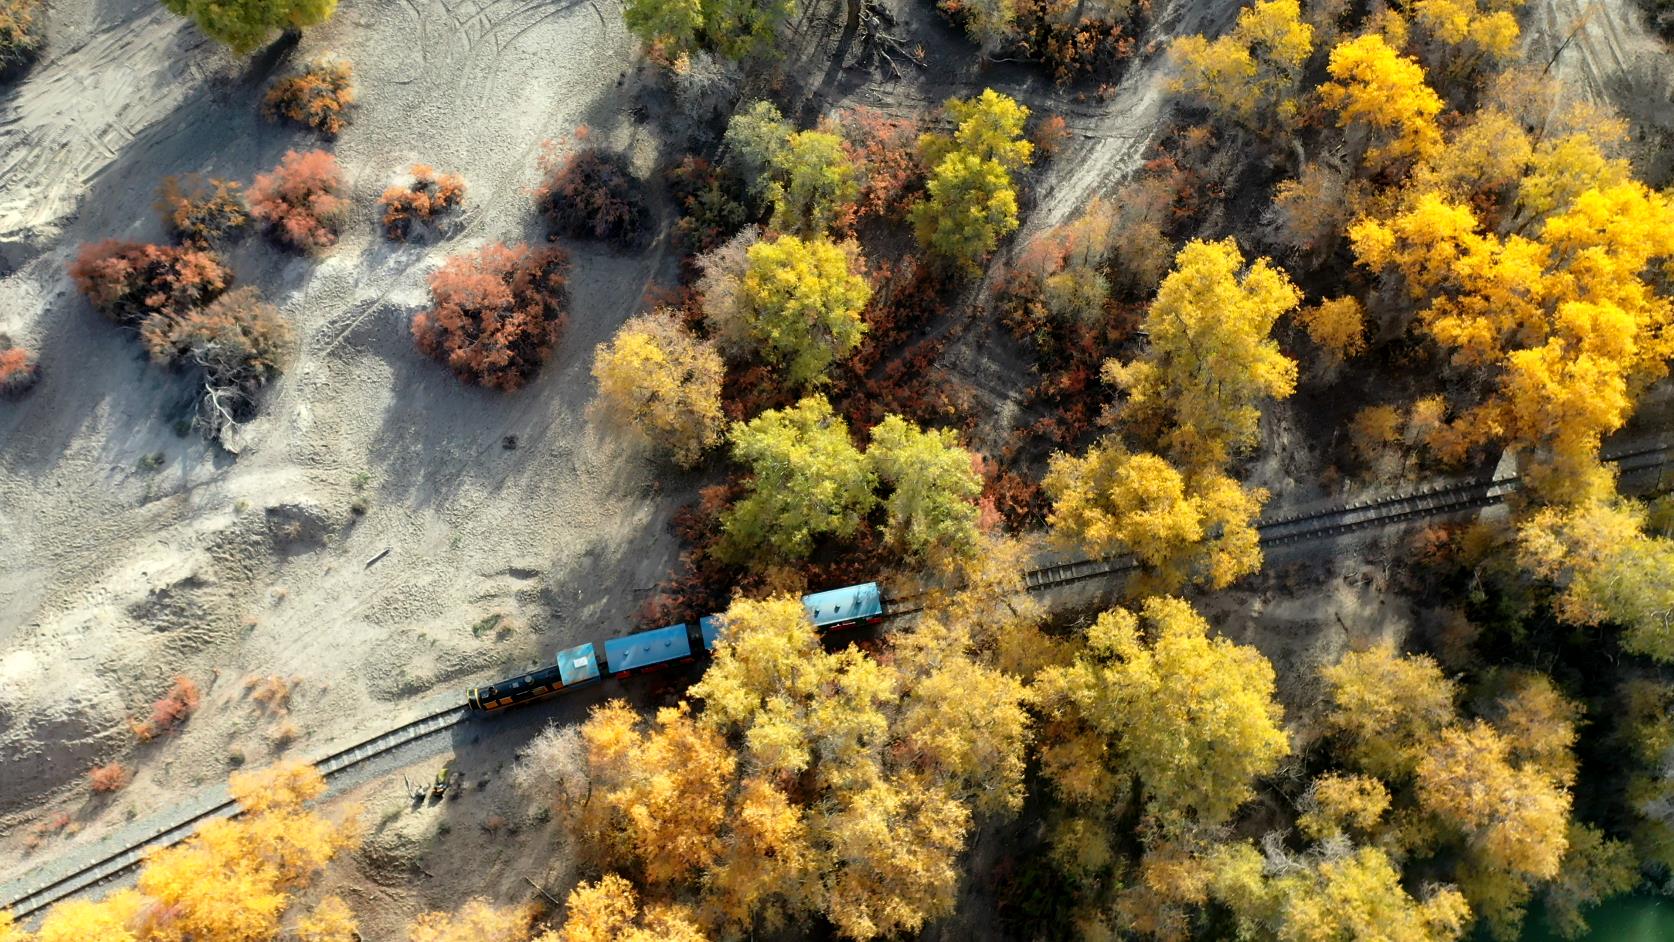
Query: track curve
x,y
1426,502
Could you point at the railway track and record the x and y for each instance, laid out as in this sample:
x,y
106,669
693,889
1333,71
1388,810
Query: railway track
x,y
39,897
1434,501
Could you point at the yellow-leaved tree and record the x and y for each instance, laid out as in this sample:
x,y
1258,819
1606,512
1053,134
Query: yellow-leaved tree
x,y
851,790
1382,95
1251,74
1185,528
1192,718
661,384
1211,360
1357,895
229,882
1567,322
608,910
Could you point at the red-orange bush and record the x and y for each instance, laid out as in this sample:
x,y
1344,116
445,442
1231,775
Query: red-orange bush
x,y
886,150
132,281
198,212
301,201
174,708
1049,136
319,98
594,194
419,201
1075,47
497,313
111,777
19,370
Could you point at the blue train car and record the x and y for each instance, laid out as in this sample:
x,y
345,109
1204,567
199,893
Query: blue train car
x,y
835,609
709,626
647,650
578,665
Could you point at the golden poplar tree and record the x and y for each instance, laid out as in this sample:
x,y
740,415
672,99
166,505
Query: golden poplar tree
x,y
1251,74
1192,718
661,384
1196,528
1211,360
1383,94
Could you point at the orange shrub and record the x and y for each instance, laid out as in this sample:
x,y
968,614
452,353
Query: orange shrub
x,y
132,281
498,311
110,777
594,194
1049,136
198,212
415,203
22,33
19,369
886,150
319,98
174,708
301,201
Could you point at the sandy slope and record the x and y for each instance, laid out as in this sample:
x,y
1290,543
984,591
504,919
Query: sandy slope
x,y
113,577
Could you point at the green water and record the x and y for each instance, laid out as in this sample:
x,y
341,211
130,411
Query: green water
x,y
1637,918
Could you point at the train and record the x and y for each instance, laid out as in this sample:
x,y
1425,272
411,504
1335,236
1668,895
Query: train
x,y
659,648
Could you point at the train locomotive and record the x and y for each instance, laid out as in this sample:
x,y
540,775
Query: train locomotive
x,y
648,651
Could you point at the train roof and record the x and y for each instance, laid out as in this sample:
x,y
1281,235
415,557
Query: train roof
x,y
512,685
710,627
578,664
656,646
834,606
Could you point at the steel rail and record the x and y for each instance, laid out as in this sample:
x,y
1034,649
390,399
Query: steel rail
x,y
1432,501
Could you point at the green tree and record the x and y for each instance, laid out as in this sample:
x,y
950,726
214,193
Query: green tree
x,y
736,29
973,201
808,480
245,24
754,139
816,182
934,485
801,302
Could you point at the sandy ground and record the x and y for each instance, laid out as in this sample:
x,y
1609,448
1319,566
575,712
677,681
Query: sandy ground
x,y
115,577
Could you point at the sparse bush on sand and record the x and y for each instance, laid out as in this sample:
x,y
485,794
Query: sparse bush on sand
x,y
110,777
22,33
418,202
132,281
199,212
172,709
319,97
240,343
20,370
593,194
301,201
497,313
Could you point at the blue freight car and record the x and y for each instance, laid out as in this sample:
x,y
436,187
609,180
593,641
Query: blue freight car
x,y
647,650
575,667
836,609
